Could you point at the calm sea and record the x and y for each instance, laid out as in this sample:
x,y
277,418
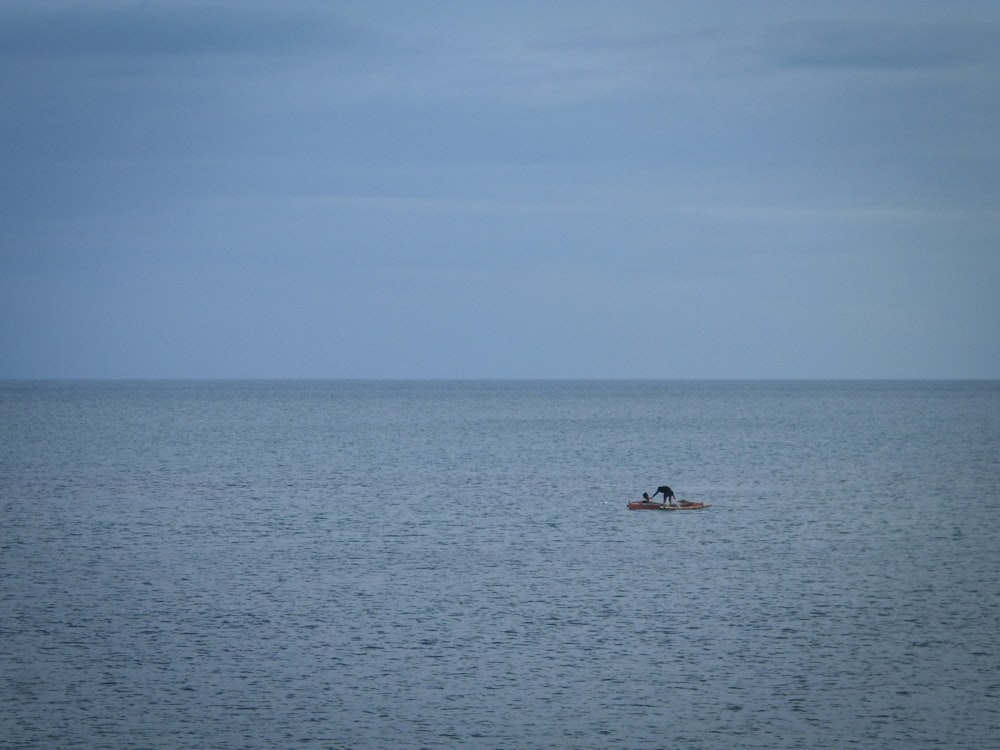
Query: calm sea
x,y
451,565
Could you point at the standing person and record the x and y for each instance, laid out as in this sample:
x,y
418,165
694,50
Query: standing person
x,y
668,494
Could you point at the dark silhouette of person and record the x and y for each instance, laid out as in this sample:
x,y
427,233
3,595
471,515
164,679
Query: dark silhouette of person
x,y
668,494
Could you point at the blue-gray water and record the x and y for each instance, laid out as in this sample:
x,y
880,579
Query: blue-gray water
x,y
451,565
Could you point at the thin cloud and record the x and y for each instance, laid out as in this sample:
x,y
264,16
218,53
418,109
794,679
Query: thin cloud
x,y
852,44
172,31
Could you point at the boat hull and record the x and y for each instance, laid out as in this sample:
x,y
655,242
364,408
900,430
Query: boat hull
x,y
663,506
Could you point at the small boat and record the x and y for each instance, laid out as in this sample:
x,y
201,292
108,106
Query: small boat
x,y
683,505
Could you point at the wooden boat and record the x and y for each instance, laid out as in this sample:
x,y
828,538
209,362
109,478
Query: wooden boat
x,y
683,505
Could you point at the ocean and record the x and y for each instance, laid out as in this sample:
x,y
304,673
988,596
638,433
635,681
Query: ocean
x,y
443,564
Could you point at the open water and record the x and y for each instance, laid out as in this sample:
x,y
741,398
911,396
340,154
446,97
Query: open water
x,y
451,565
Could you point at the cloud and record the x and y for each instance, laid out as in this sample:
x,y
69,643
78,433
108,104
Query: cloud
x,y
411,175
894,46
145,31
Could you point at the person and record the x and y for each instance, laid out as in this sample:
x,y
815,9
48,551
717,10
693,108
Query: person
x,y
668,494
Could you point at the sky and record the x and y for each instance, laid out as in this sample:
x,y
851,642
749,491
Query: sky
x,y
467,189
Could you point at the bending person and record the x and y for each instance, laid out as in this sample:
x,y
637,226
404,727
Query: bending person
x,y
668,494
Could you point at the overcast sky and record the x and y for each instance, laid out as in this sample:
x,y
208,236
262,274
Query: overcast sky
x,y
621,189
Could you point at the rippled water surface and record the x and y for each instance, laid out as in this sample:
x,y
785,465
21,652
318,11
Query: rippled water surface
x,y
451,565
